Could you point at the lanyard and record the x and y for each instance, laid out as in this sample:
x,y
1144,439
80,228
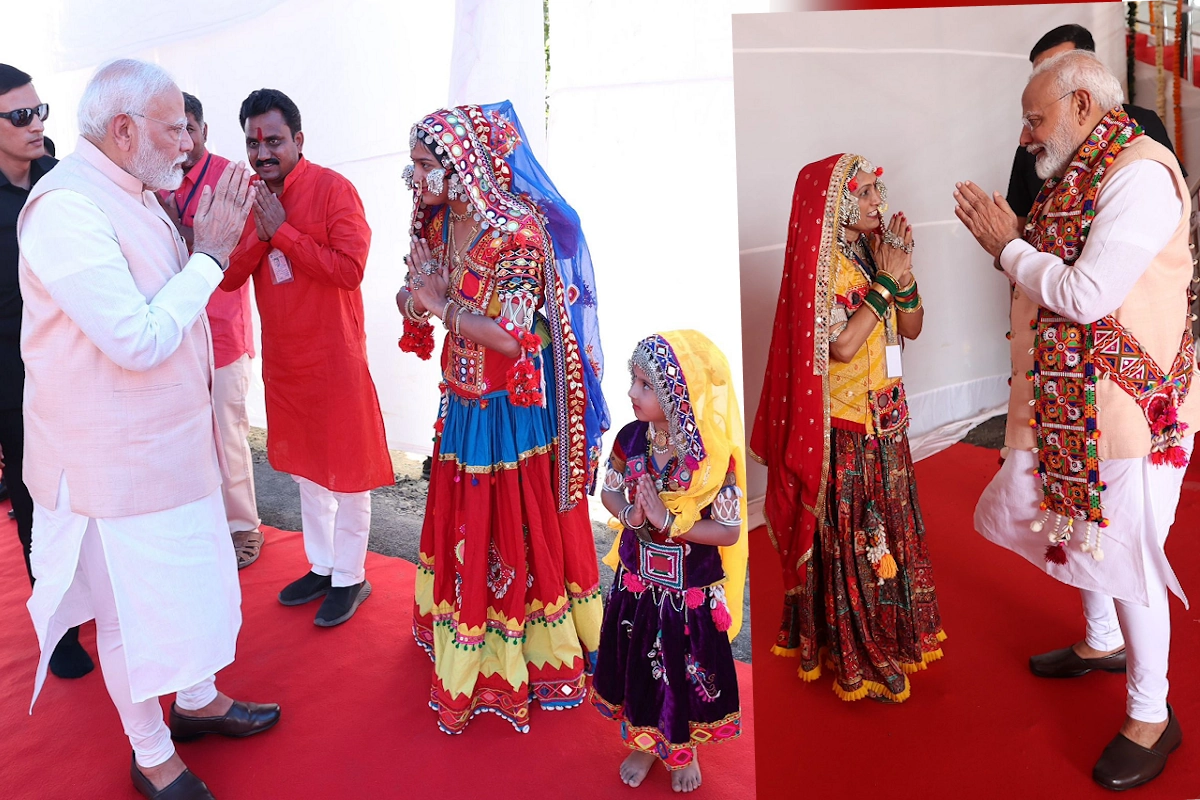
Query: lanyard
x,y
195,186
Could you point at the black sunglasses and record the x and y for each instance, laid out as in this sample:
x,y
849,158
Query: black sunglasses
x,y
20,117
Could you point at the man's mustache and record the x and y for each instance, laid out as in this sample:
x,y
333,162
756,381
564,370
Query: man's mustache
x,y
267,162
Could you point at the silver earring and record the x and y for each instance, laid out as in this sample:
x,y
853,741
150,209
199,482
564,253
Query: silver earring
x,y
455,189
407,176
435,181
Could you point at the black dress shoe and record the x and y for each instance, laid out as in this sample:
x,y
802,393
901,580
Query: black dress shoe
x,y
306,589
69,659
1125,764
1066,663
186,787
341,603
241,720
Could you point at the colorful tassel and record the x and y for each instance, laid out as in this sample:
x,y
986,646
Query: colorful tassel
x,y
633,583
887,567
694,597
1173,456
721,617
417,339
524,384
1056,554
524,380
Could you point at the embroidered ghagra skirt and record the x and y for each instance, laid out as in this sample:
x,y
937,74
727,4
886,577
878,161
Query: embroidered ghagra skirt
x,y
666,669
871,631
507,594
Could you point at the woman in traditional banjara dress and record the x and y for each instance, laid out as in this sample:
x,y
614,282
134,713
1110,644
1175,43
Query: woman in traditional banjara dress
x,y
675,485
831,428
507,593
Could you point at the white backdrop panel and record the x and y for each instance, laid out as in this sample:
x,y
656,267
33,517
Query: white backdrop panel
x,y
499,54
931,95
641,142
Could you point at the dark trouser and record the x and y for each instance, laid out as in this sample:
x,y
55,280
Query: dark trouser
x,y
12,442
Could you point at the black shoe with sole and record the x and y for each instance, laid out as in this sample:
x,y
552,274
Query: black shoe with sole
x,y
305,590
69,659
186,787
341,603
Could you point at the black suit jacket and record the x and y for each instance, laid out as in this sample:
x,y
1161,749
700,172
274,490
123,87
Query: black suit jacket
x,y
1024,184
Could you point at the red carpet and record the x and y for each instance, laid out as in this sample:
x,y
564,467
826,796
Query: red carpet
x,y
978,725
356,721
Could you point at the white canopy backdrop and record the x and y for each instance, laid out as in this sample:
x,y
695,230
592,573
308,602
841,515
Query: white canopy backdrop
x,y
932,96
635,128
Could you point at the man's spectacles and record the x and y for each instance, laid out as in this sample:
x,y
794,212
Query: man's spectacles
x,y
1031,121
21,117
178,128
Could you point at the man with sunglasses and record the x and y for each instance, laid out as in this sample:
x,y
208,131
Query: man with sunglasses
x,y
23,161
1023,181
124,468
233,343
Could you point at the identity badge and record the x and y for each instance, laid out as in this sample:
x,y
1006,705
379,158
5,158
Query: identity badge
x,y
892,352
281,268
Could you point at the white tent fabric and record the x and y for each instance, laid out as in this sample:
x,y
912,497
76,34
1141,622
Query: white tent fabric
x,y
932,96
641,142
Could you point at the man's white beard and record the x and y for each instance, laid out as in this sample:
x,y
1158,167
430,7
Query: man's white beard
x,y
156,171
1057,152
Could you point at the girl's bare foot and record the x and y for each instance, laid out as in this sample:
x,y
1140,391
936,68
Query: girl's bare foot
x,y
688,778
635,767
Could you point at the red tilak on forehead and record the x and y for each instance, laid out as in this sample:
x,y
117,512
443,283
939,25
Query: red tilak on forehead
x,y
260,138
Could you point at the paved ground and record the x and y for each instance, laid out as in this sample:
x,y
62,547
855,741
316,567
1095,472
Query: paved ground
x,y
397,511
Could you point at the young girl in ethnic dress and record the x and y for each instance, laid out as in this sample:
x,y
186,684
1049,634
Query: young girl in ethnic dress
x,y
831,427
507,599
675,483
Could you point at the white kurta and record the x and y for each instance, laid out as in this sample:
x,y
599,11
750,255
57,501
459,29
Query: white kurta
x,y
174,578
173,572
1136,214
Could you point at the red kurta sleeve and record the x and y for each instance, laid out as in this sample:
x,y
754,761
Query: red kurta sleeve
x,y
245,258
342,261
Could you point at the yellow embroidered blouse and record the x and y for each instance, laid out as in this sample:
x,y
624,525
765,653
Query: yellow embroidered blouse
x,y
855,386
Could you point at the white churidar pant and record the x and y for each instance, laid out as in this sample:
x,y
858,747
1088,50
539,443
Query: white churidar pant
x,y
336,528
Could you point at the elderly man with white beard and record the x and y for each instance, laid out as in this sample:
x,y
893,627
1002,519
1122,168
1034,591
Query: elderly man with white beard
x,y
129,526
1100,417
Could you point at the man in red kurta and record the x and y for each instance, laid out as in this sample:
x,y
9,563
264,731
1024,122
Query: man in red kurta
x,y
233,344
306,244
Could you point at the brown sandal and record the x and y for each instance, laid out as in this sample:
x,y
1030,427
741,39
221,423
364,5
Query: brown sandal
x,y
248,546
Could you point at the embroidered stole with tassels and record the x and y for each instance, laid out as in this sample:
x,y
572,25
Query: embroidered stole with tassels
x,y
1069,358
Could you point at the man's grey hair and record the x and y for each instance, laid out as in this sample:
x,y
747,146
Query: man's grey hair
x,y
1080,69
125,86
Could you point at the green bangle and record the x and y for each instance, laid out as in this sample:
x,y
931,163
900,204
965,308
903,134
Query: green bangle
x,y
910,306
888,282
907,292
874,300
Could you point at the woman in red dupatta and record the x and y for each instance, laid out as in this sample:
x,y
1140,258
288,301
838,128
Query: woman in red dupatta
x,y
831,428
